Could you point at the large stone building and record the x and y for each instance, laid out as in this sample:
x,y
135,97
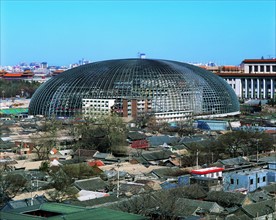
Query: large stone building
x,y
256,79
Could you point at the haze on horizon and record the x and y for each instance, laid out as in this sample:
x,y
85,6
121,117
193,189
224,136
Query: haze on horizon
x,y
63,32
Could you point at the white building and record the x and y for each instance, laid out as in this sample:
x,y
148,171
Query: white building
x,y
256,81
93,107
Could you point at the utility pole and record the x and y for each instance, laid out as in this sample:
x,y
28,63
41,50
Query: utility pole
x,y
197,158
118,179
258,150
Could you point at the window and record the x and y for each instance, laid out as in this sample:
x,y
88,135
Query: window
x,y
258,180
250,69
256,68
274,68
251,182
262,69
237,181
232,181
267,68
264,179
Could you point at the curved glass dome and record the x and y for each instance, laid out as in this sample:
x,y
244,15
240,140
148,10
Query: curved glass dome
x,y
168,86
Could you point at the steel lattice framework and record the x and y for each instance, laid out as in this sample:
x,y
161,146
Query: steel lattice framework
x,y
170,86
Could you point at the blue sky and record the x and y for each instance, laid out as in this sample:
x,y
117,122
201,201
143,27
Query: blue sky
x,y
63,32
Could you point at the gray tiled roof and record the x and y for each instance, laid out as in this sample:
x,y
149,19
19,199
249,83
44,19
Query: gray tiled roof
x,y
270,188
258,196
157,155
165,172
234,161
226,199
92,184
260,209
23,203
205,205
268,159
159,140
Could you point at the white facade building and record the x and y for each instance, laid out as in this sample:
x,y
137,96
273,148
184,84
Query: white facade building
x,y
93,107
257,81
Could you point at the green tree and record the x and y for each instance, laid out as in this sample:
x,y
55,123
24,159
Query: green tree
x,y
13,88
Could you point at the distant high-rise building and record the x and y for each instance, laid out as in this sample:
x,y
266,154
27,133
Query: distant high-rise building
x,y
44,65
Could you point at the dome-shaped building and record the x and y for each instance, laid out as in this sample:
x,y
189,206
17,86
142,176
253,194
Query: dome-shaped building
x,y
168,89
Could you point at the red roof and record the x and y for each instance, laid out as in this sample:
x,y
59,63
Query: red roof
x,y
207,170
97,163
259,61
140,144
13,74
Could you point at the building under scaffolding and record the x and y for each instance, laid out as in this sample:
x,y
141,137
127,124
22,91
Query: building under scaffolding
x,y
169,90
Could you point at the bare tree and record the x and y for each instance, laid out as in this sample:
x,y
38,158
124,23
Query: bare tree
x,y
11,185
46,139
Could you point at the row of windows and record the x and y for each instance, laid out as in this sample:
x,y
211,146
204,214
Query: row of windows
x,y
262,68
95,105
251,181
95,101
87,110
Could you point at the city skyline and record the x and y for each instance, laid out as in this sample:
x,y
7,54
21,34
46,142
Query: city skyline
x,y
63,32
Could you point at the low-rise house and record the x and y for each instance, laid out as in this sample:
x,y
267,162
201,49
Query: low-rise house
x,y
85,195
18,204
211,172
261,210
107,158
259,195
179,149
113,175
194,138
156,141
270,189
271,174
92,184
97,163
208,184
228,199
154,157
6,145
171,177
7,163
201,207
232,162
24,147
246,180
166,173
60,154
65,211
133,188
85,154
135,135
